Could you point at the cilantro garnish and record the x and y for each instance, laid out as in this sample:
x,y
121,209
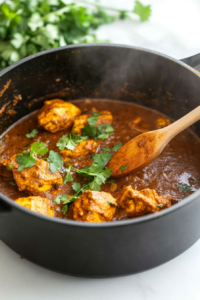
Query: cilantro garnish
x,y
33,133
9,168
185,188
111,203
89,130
123,168
117,147
102,132
142,11
76,186
70,141
55,161
68,177
159,205
1,140
111,181
28,160
93,120
59,198
12,183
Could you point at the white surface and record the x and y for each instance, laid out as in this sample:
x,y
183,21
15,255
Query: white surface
x,y
173,29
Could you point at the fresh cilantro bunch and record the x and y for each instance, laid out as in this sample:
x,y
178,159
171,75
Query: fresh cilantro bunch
x,y
30,26
70,141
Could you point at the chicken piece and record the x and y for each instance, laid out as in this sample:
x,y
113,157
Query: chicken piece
x,y
81,121
139,124
57,115
37,204
94,207
137,203
6,166
162,122
82,149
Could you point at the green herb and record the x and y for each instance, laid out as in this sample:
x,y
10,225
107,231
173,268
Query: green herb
x,y
89,130
106,149
1,140
185,188
159,205
111,203
70,141
9,168
38,149
64,209
68,177
111,181
25,161
60,198
102,132
142,11
123,168
76,186
55,161
27,27
117,147
33,133
93,120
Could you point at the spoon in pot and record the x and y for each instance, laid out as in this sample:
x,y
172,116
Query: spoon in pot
x,y
143,149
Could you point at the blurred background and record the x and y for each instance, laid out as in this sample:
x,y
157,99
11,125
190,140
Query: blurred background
x,y
30,26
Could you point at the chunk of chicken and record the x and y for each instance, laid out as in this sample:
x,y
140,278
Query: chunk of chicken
x,y
57,115
162,122
139,124
82,149
94,207
37,204
33,180
6,166
137,203
81,121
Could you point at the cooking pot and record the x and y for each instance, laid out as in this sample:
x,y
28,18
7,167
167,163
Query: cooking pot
x,y
100,71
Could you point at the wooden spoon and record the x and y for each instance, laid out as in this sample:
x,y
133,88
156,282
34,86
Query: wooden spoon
x,y
140,151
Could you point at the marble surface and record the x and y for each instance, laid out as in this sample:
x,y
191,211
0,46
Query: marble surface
x,y
174,30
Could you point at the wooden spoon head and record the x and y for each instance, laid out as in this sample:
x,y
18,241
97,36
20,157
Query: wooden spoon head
x,y
137,153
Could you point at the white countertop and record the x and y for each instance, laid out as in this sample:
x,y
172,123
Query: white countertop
x,y
173,29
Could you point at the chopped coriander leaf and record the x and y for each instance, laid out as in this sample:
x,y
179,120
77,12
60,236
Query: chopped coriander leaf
x,y
112,204
93,120
104,131
33,133
9,168
89,130
117,147
159,205
185,188
55,161
60,198
76,186
111,181
123,168
25,161
68,177
64,209
70,141
1,140
38,149
101,159
106,149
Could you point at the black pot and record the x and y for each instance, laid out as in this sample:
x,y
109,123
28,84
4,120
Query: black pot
x,y
114,72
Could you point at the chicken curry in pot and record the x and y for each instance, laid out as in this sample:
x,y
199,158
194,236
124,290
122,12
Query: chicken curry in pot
x,y
54,162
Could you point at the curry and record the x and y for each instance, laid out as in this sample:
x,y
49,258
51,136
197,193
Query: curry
x,y
54,162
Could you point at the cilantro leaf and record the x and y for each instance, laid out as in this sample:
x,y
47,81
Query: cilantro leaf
x,y
9,168
60,198
142,11
123,168
94,186
25,161
111,203
33,133
117,147
38,149
68,177
70,141
104,131
101,159
106,149
55,161
159,205
89,130
93,120
76,186
64,209
111,181
185,188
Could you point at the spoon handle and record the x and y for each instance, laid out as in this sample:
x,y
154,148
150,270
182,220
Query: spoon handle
x,y
178,126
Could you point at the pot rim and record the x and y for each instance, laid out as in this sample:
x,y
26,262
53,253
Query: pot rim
x,y
119,223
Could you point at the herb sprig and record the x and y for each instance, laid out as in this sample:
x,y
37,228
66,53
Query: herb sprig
x,y
33,133
70,141
27,27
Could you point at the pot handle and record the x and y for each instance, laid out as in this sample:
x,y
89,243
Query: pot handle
x,y
193,61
